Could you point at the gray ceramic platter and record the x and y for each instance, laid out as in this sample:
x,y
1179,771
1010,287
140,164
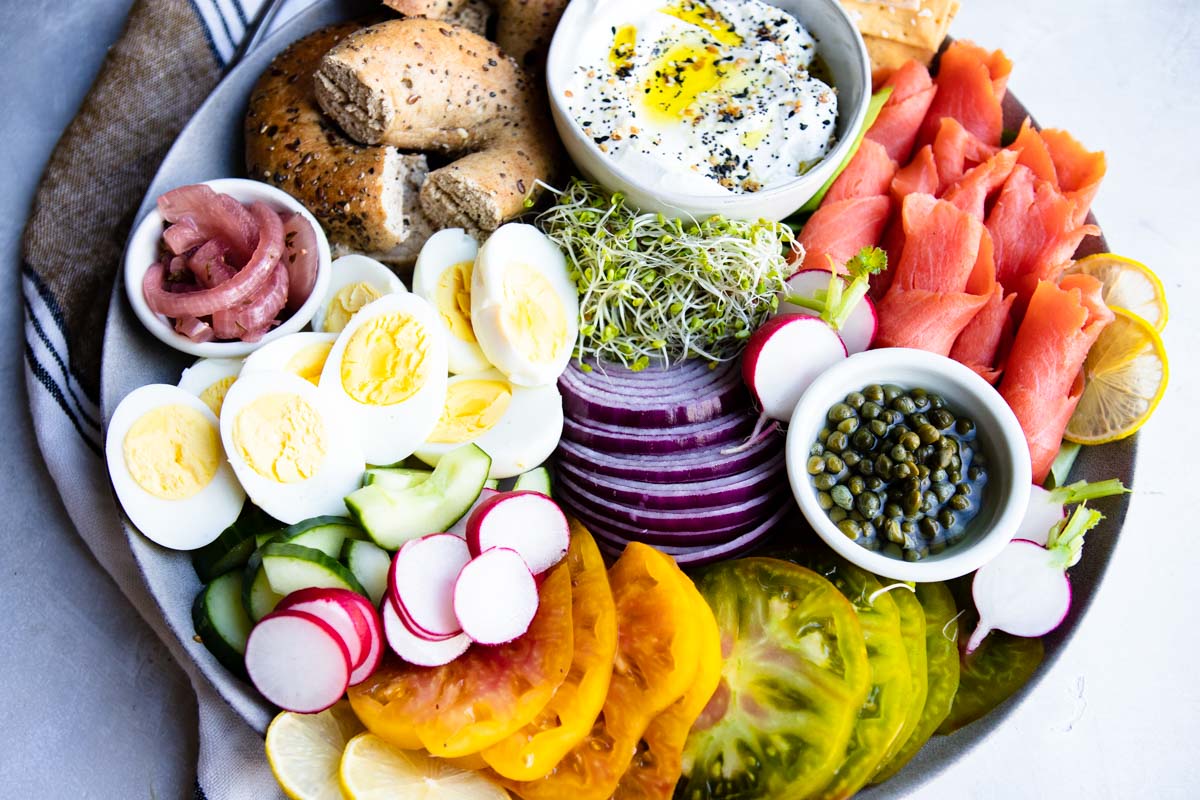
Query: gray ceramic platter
x,y
211,147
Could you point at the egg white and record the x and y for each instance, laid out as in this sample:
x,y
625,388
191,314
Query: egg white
x,y
207,371
390,433
178,524
339,473
521,439
275,355
356,269
510,245
440,252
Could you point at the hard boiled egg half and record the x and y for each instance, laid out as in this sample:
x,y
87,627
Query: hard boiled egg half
x,y
302,354
357,281
443,277
289,446
164,455
209,379
518,426
524,306
387,370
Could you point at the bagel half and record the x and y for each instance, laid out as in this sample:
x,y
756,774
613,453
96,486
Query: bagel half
x,y
524,28
423,84
365,197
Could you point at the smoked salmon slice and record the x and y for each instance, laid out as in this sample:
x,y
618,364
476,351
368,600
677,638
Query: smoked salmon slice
x,y
919,176
981,342
1079,171
972,190
928,303
868,174
970,84
956,150
900,118
1043,374
1034,153
839,230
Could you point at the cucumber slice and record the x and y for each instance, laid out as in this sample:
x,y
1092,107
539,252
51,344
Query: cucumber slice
x,y
258,598
320,533
536,480
233,547
370,564
432,506
291,567
395,478
221,621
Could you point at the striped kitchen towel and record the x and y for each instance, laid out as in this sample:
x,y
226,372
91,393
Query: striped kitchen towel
x,y
168,58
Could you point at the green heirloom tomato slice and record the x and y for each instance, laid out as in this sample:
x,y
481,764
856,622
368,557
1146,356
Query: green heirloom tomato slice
x,y
941,657
990,675
794,678
885,710
912,631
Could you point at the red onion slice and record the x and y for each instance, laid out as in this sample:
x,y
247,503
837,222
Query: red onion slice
x,y
259,315
621,439
613,544
689,393
213,215
183,236
195,329
237,289
208,264
699,464
301,258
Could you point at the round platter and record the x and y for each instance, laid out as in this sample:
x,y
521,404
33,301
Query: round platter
x,y
210,146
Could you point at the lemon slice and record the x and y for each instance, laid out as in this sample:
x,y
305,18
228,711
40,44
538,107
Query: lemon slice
x,y
305,750
1126,374
374,770
1127,284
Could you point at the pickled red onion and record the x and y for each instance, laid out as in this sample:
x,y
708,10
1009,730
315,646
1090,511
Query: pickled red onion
x,y
214,216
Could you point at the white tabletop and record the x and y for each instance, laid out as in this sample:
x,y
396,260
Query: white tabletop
x,y
93,707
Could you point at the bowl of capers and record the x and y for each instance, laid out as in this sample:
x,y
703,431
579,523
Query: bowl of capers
x,y
908,464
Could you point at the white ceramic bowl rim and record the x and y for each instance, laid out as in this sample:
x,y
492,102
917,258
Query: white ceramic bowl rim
x,y
839,151
999,434
141,250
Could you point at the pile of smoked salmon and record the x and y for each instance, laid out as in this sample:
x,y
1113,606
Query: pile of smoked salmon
x,y
977,236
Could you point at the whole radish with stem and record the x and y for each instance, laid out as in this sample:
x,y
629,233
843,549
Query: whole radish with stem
x,y
1047,507
839,300
1025,590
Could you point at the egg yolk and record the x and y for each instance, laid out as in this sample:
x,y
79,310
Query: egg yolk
x,y
172,452
281,437
214,395
453,300
309,361
472,408
533,319
384,361
346,302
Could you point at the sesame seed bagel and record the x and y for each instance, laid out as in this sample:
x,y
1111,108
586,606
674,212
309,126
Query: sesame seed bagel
x,y
524,28
422,84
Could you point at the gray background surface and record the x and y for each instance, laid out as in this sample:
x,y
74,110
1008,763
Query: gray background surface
x,y
94,707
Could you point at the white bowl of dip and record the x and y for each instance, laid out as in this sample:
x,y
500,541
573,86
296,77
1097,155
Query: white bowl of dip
x,y
657,182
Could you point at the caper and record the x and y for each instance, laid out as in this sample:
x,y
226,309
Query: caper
x,y
823,435
920,397
964,489
833,464
855,399
851,528
936,401
929,527
899,453
910,440
851,458
824,482
839,412
890,392
908,527
922,471
941,459
928,501
857,517
915,554
871,410
867,504
878,427
816,465
928,434
837,514
964,426
954,475
868,530
943,490
938,475
866,467
891,530
874,484
946,518
848,425
863,440
837,441
842,497
955,462
874,393
902,471
817,449
912,503
893,417
904,404
941,418
824,501
960,503
918,419
857,486
924,453
893,510
974,473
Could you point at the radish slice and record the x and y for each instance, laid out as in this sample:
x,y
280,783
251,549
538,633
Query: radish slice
x,y
784,357
495,597
374,653
416,650
1023,591
332,609
422,583
460,528
367,624
857,332
528,522
297,661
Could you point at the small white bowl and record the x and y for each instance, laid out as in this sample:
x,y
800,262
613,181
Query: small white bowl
x,y
999,436
839,44
142,251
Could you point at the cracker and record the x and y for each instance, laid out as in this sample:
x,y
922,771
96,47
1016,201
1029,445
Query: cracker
x,y
919,23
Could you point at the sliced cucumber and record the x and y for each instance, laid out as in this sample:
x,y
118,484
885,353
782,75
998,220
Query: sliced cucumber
x,y
291,567
320,533
222,622
392,518
370,564
395,478
536,480
233,547
258,598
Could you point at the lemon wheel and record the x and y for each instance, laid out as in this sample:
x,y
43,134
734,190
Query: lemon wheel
x,y
372,769
1127,284
1126,374
305,751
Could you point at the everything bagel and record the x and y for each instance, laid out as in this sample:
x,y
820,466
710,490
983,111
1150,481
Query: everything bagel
x,y
524,28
